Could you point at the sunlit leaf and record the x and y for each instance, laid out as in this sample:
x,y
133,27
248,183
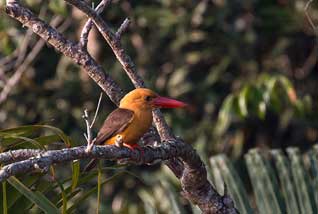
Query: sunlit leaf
x,y
225,115
242,100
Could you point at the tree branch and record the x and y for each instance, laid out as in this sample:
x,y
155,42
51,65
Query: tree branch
x,y
65,46
191,172
89,24
168,150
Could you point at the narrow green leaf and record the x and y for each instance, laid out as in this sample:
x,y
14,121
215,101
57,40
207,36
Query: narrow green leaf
x,y
27,131
69,196
303,185
14,196
75,173
225,115
42,185
243,99
287,185
217,176
313,155
36,197
149,201
4,197
99,185
35,143
264,183
176,207
24,131
149,209
64,197
234,184
80,200
59,132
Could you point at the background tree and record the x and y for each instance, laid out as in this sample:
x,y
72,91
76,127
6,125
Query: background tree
x,y
247,68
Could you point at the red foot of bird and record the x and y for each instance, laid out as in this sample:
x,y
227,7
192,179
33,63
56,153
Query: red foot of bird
x,y
135,146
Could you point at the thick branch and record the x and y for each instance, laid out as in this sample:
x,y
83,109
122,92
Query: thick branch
x,y
112,41
128,65
89,24
166,151
65,46
193,174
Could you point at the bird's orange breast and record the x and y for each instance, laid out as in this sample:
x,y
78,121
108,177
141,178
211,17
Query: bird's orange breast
x,y
136,129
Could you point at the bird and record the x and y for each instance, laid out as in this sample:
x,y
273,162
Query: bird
x,y
131,120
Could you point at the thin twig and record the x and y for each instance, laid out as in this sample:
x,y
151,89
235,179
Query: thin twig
x,y
97,109
66,47
309,17
23,159
88,134
89,24
193,175
14,79
123,28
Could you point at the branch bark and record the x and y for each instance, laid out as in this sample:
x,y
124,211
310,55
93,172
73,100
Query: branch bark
x,y
34,159
189,168
67,47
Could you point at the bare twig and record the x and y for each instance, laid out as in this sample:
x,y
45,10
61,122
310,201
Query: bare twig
x,y
311,61
191,170
311,22
112,41
65,46
123,28
165,151
14,79
97,109
89,24
88,135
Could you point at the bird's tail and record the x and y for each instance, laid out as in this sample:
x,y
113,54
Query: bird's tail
x,y
90,165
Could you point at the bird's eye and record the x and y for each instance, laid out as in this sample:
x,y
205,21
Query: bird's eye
x,y
148,98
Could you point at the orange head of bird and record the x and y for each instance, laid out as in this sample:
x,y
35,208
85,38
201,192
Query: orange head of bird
x,y
143,98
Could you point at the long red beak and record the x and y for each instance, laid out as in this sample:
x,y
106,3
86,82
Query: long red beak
x,y
164,102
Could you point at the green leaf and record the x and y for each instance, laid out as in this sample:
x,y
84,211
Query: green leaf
x,y
225,115
59,132
35,143
4,197
36,197
243,99
313,156
63,194
176,207
303,185
80,200
285,177
234,183
264,183
99,185
75,173
9,136
14,196
7,140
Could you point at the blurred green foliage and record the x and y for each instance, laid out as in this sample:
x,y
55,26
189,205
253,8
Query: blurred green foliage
x,y
247,68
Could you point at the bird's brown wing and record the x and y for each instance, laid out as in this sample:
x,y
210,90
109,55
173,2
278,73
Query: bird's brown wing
x,y
115,123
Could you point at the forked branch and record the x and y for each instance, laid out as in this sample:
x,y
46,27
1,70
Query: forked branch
x,y
189,169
